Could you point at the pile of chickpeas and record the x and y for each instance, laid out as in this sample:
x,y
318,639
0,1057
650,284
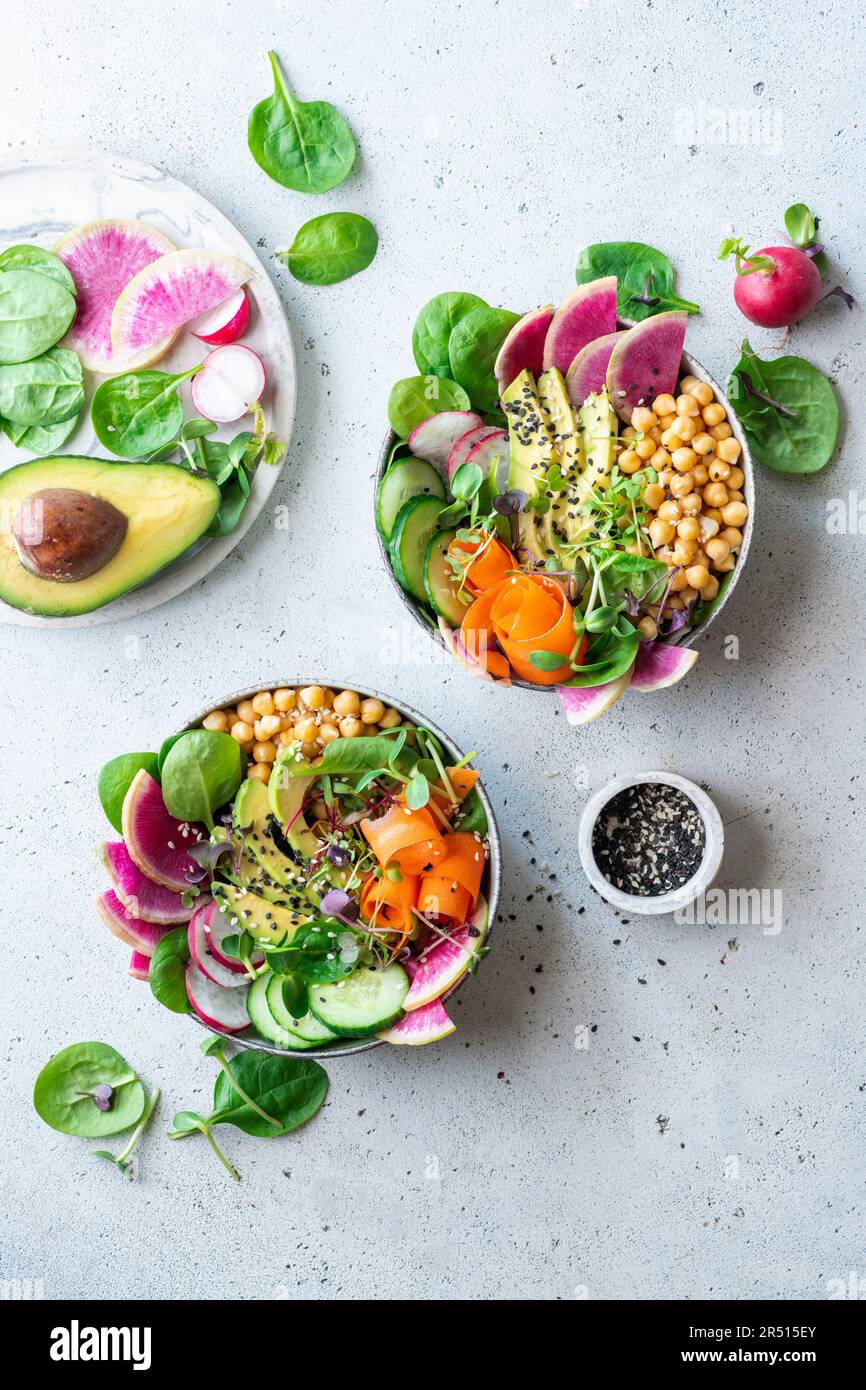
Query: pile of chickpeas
x,y
697,508
311,715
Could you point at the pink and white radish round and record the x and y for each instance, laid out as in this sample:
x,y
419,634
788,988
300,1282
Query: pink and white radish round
x,y
199,948
217,1007
224,324
228,384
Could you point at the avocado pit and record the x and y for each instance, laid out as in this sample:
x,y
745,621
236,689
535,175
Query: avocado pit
x,y
66,535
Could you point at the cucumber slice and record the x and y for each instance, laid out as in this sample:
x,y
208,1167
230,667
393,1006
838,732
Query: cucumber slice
x,y
260,1014
406,478
365,1003
417,522
440,581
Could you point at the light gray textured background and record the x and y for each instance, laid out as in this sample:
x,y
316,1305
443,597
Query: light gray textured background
x,y
494,141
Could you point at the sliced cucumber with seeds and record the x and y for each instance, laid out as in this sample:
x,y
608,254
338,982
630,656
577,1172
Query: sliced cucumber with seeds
x,y
406,478
366,1002
260,1014
417,522
440,581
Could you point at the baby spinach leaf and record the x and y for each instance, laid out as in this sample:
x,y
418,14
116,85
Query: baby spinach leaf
x,y
433,328
167,973
788,410
45,390
305,145
121,1160
472,350
89,1090
645,277
607,658
115,779
36,258
473,817
40,439
164,749
800,224
139,412
416,398
35,312
331,248
201,773
291,1089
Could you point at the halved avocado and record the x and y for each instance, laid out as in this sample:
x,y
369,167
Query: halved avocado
x,y
253,815
166,510
286,791
264,919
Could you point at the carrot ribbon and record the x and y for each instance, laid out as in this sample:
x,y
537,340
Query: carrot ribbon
x,y
405,837
522,613
451,888
492,561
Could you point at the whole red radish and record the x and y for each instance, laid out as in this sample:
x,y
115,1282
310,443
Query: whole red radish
x,y
776,286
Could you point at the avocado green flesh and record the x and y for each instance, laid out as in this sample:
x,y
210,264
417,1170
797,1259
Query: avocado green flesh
x,y
286,796
167,509
254,816
265,920
530,436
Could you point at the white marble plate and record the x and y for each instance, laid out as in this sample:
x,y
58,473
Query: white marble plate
x,y
44,195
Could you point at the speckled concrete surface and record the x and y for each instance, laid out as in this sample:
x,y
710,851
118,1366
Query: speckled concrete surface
x,y
708,1139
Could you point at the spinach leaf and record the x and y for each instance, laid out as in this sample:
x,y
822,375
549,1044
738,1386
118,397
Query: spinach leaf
x,y
40,439
472,350
473,817
331,248
164,749
89,1090
37,259
43,391
802,227
115,778
291,1089
138,412
788,410
637,573
708,607
305,145
416,398
433,328
607,658
167,973
321,951
200,774
121,1160
645,277
35,312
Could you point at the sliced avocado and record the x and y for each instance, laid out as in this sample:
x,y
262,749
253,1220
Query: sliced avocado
x,y
76,533
286,792
264,919
553,394
599,425
530,435
253,815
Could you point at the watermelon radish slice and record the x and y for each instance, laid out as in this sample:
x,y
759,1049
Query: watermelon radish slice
x,y
588,313
139,966
453,642
462,447
426,1025
229,384
217,928
584,703
225,1009
157,842
434,439
141,936
138,893
198,948
445,964
645,363
523,348
659,664
102,258
588,372
165,295
224,324
492,456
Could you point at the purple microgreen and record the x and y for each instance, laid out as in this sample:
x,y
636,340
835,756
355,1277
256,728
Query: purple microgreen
x,y
207,855
751,390
100,1095
511,502
645,297
337,855
338,904
838,291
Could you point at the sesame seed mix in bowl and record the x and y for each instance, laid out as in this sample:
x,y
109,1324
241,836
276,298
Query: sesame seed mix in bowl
x,y
649,839
308,867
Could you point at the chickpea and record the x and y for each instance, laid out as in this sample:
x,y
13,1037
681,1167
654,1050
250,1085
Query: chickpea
x,y
328,702
716,494
643,419
670,439
328,732
310,751
683,459
688,529
231,717
242,732
684,552
717,550
733,537
711,588
685,427
734,495
688,382
351,727
703,443
285,699
286,738
702,392
307,729
681,484
372,711
687,405
267,726
259,772
629,432
691,504
661,532
347,702
736,478
216,720
655,435
735,513
708,527
313,696
713,414
263,703
713,514
725,565
729,450
265,752
700,474
718,470
653,496
679,582
665,476
246,713
630,461
670,511
648,628
660,460
645,448
664,405
697,576
722,431
390,719
666,421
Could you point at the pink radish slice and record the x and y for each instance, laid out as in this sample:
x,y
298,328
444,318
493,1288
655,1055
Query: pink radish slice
x,y
460,450
138,893
171,292
208,965
584,703
229,383
434,439
659,664
225,1009
491,455
523,348
141,936
453,641
139,966
102,258
157,842
589,312
216,930
224,324
425,1025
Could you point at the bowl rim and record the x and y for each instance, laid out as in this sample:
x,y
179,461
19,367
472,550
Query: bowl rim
x,y
689,366
706,872
494,862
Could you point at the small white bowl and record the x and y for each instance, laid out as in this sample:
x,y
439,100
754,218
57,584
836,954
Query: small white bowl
x,y
714,845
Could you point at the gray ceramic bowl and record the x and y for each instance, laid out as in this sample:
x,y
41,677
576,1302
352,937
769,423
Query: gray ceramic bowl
x,y
688,367
491,882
